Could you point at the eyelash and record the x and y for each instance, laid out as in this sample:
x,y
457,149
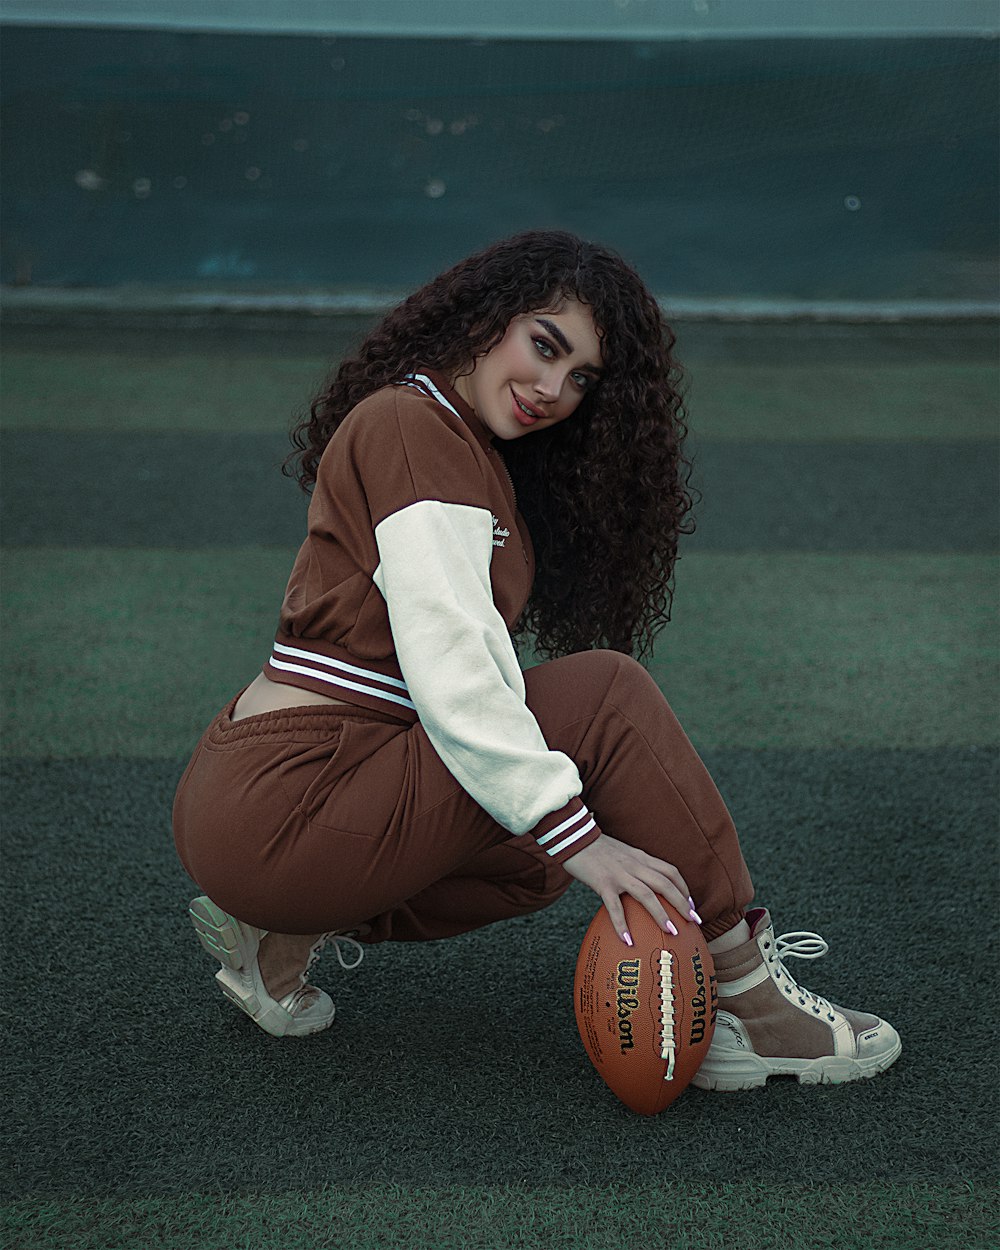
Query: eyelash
x,y
584,384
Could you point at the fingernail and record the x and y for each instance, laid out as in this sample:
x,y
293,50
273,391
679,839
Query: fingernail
x,y
671,927
626,937
692,913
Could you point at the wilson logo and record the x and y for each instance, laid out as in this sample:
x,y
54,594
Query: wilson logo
x,y
705,1002
627,995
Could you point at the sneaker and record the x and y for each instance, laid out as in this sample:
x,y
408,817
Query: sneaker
x,y
768,1025
235,944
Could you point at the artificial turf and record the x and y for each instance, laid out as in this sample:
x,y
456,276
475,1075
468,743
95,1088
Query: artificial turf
x,y
458,1062
794,403
837,672
673,1213
905,641
191,490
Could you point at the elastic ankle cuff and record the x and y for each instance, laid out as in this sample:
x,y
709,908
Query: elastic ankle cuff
x,y
713,929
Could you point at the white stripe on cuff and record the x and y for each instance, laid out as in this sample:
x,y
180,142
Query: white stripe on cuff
x,y
582,814
573,837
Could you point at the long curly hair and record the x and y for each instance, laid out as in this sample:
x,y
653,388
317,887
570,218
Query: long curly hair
x,y
605,494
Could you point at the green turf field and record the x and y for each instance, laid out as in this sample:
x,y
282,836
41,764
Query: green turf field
x,y
832,654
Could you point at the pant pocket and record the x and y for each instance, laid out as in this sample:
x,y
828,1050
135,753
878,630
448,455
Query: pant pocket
x,y
353,785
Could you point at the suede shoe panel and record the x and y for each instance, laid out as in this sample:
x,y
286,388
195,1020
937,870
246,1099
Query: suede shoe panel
x,y
776,1027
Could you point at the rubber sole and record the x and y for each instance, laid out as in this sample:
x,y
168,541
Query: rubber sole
x,y
239,977
749,1071
217,933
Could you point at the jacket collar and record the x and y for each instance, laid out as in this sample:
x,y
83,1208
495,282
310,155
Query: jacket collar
x,y
483,434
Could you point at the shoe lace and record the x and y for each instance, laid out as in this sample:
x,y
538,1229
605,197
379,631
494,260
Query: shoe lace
x,y
335,939
317,950
800,945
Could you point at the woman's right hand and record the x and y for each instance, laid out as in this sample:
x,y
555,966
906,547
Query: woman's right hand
x,y
612,868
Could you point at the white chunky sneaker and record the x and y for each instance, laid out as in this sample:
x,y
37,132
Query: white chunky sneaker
x,y
235,944
768,1025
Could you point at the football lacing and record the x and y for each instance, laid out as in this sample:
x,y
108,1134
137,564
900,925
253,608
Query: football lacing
x,y
800,945
667,1040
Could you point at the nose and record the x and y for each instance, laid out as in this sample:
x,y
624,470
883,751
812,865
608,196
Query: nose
x,y
548,386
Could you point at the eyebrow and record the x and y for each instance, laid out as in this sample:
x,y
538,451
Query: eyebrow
x,y
565,344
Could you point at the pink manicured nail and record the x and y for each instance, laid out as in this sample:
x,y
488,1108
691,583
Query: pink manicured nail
x,y
692,913
626,937
671,927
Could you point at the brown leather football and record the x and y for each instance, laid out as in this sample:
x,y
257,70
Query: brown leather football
x,y
646,1013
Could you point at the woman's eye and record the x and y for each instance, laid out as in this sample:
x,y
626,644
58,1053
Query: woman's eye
x,y
545,349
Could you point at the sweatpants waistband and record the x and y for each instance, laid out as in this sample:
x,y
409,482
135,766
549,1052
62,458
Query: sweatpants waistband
x,y
322,721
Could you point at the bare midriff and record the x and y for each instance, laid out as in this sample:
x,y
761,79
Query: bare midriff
x,y
263,695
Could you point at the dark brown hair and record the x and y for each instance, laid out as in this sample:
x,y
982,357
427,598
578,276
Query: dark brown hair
x,y
605,493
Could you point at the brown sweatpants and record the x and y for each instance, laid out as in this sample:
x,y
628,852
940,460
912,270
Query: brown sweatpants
x,y
329,818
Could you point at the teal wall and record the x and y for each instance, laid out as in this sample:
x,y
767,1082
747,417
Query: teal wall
x,y
535,19
813,168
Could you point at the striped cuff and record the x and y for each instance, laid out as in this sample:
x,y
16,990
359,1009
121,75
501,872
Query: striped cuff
x,y
564,832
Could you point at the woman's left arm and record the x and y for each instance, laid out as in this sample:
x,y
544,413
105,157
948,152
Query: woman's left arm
x,y
462,674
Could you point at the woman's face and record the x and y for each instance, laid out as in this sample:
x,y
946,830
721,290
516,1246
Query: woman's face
x,y
537,374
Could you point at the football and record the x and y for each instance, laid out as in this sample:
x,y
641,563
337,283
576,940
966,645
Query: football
x,y
646,1013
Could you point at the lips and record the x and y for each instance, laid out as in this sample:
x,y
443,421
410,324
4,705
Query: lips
x,y
525,413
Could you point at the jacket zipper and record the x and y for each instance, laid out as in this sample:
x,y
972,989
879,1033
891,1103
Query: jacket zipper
x,y
507,472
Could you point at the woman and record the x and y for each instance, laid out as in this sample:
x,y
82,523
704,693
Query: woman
x,y
391,773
